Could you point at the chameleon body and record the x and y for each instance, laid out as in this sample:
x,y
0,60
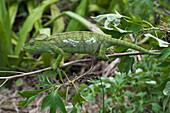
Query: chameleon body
x,y
77,42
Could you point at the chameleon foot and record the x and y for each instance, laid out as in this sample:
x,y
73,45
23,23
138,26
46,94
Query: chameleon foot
x,y
103,57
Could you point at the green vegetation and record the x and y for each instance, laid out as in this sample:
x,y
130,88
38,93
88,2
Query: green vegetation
x,y
134,84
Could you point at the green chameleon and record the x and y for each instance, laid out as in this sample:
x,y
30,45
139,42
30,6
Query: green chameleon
x,y
77,42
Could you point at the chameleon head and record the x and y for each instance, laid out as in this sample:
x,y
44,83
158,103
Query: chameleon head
x,y
37,45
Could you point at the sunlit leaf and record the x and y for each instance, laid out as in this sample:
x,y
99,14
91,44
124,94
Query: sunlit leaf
x,y
109,19
13,11
166,91
165,102
161,42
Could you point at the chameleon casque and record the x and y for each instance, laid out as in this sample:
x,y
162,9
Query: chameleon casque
x,y
77,42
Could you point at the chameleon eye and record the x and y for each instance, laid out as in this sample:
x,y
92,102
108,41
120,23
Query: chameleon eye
x,y
32,43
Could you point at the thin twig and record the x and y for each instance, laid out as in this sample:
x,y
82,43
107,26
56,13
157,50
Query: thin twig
x,y
92,65
160,29
3,82
15,72
163,9
71,63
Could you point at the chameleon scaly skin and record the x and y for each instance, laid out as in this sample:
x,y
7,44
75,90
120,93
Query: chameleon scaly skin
x,y
77,42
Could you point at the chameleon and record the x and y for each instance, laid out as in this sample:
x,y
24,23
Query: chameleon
x,y
84,42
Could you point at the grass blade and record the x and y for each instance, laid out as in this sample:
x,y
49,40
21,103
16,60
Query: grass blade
x,y
58,25
80,10
13,8
5,38
78,18
28,24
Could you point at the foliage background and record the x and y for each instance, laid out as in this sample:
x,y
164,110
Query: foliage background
x,y
141,90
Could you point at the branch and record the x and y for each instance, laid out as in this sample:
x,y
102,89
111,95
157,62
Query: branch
x,y
12,72
3,82
163,9
68,64
160,28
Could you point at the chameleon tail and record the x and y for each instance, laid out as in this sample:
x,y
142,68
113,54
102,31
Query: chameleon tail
x,y
129,45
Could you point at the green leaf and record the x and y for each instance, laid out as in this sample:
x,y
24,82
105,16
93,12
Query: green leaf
x,y
60,75
6,34
126,64
28,24
113,32
109,19
78,98
13,8
50,73
58,25
31,5
44,78
161,86
73,110
115,28
141,94
155,107
54,102
166,91
165,102
165,53
46,57
81,10
78,18
19,82
161,42
3,46
30,95
24,103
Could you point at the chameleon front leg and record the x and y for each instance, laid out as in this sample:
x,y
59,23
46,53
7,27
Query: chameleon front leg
x,y
59,58
101,53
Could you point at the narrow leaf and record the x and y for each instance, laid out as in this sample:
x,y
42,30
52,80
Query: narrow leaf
x,y
80,10
30,95
13,8
166,91
58,25
28,24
